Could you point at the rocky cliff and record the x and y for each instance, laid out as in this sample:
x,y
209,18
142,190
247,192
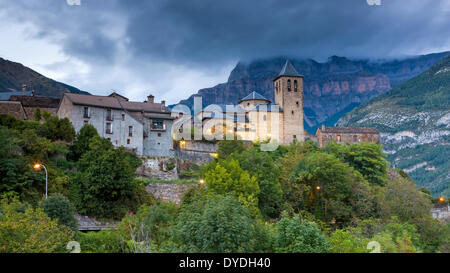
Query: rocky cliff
x,y
331,88
414,121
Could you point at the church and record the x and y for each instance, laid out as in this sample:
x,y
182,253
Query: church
x,y
257,118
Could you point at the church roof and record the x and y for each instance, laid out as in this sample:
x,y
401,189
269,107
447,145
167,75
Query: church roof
x,y
254,96
288,70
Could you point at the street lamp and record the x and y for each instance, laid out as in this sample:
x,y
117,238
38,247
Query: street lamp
x,y
38,166
202,181
442,199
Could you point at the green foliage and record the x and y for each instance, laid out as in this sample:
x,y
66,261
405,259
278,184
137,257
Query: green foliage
x,y
58,207
367,158
81,144
262,166
105,181
219,224
105,241
37,114
296,236
228,147
59,129
16,175
343,241
340,188
30,231
227,177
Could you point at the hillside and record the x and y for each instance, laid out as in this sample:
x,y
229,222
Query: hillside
x,y
414,119
331,88
14,75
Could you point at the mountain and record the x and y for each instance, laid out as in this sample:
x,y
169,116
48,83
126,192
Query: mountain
x,y
331,89
14,75
414,121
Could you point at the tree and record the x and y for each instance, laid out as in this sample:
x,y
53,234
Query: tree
x,y
58,207
58,129
261,166
228,147
343,241
31,231
227,177
219,224
105,181
81,144
37,114
328,187
16,175
366,158
296,236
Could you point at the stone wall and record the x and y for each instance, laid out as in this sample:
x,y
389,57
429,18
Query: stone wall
x,y
161,168
169,191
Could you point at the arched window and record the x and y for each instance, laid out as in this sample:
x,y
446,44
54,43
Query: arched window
x,y
295,85
289,85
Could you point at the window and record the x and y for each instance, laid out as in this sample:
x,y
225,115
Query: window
x,y
159,134
295,136
289,85
265,117
128,141
292,111
295,85
355,138
108,128
248,103
158,125
338,137
298,104
130,131
109,114
86,112
123,117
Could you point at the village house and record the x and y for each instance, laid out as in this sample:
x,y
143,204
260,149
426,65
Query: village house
x,y
145,127
346,135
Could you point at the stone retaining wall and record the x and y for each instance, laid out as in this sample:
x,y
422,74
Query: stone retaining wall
x,y
169,191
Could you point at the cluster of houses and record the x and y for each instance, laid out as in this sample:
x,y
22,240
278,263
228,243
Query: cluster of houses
x,y
149,128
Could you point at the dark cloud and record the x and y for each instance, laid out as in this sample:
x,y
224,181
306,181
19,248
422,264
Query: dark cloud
x,y
211,31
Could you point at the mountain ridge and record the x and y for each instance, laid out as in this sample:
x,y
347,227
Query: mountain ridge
x,y
329,87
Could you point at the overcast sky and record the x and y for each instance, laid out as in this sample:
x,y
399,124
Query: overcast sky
x,y
173,48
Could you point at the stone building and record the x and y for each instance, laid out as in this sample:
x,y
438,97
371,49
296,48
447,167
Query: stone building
x,y
256,117
145,127
31,103
346,135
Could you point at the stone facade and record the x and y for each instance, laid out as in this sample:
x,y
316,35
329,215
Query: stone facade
x,y
145,127
346,135
170,192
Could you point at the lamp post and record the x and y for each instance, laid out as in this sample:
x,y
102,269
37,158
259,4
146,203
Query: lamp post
x,y
37,166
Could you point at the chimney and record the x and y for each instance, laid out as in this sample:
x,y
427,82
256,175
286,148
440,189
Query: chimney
x,y
151,99
163,103
24,89
323,127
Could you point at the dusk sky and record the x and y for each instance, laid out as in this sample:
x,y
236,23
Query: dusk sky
x,y
173,48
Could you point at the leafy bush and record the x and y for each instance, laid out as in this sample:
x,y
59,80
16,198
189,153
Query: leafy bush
x,y
105,241
296,236
58,207
31,231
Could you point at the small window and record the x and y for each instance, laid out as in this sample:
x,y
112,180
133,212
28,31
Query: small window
x,y
130,131
338,137
159,134
248,103
128,141
265,117
289,85
298,104
123,117
295,136
295,85
292,112
86,112
109,114
158,125
117,142
108,128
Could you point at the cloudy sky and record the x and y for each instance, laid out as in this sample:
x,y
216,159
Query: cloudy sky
x,y
172,48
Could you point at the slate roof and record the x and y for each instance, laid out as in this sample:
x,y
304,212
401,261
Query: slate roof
x,y
13,108
288,70
349,130
42,102
254,96
7,95
111,102
266,107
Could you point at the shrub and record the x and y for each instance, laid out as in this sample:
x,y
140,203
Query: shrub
x,y
58,207
105,241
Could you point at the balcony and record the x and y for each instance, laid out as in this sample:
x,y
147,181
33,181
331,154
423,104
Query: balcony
x,y
86,116
109,118
158,127
108,131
